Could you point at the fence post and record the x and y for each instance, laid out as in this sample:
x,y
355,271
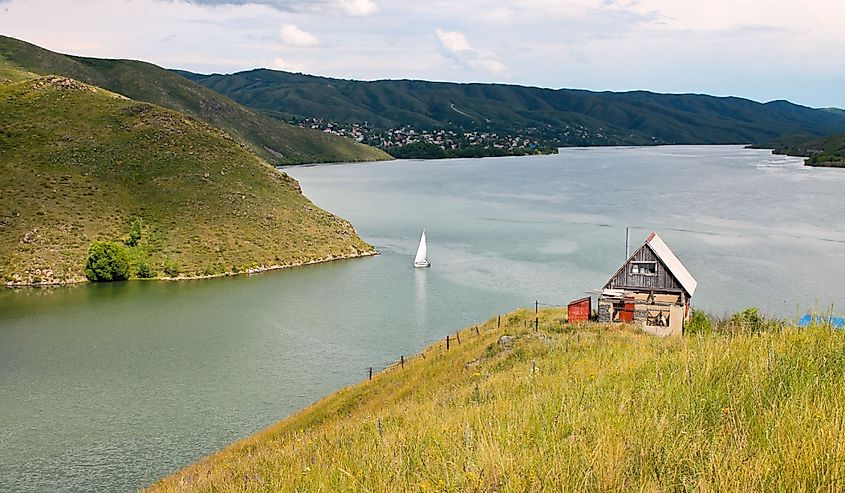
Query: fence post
x,y
402,360
458,337
499,323
536,307
536,324
371,373
476,331
447,343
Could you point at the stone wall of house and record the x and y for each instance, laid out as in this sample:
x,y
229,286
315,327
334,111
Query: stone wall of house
x,y
604,311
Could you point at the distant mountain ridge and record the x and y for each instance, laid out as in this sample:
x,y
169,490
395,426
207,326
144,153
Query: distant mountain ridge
x,y
269,138
561,116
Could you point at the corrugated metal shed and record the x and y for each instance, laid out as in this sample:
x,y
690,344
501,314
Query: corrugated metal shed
x,y
579,310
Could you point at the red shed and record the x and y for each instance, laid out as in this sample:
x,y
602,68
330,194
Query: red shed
x,y
579,310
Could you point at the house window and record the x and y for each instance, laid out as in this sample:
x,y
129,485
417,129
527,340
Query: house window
x,y
644,268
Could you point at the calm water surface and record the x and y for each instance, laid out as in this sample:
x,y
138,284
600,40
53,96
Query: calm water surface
x,y
109,387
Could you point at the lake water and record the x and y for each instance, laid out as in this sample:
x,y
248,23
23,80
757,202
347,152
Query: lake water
x,y
109,387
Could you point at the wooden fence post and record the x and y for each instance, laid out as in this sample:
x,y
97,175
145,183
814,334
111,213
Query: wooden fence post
x,y
371,373
458,337
499,323
402,360
476,331
447,343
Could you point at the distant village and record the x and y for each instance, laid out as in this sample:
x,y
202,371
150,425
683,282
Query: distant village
x,y
409,142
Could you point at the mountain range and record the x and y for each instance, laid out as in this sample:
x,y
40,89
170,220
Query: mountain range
x,y
558,116
276,142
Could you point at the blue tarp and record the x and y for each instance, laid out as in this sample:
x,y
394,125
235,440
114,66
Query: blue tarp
x,y
835,322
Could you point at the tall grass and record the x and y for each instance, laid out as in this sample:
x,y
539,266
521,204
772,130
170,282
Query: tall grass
x,y
566,408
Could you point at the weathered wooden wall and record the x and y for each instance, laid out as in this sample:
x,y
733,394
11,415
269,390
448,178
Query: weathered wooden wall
x,y
664,280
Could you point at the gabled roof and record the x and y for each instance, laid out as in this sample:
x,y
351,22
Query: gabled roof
x,y
672,263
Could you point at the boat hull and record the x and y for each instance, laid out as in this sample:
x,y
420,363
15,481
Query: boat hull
x,y
422,265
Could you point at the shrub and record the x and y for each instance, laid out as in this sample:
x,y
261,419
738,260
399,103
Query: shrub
x,y
748,319
134,233
107,261
145,270
699,323
171,267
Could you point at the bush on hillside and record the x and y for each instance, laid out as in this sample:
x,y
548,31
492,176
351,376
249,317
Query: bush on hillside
x,y
145,271
698,323
171,267
107,261
134,234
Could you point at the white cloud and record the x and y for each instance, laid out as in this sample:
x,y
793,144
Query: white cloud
x,y
453,41
291,35
358,7
458,48
282,64
724,47
343,7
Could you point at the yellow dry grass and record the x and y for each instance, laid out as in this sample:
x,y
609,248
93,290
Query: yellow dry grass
x,y
565,408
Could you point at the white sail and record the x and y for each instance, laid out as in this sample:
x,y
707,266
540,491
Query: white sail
x,y
421,259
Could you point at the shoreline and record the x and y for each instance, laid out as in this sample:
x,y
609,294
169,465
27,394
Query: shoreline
x,y
254,270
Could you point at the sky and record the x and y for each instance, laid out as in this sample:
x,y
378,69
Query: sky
x,y
758,49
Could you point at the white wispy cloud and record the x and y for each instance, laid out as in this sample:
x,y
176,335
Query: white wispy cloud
x,y
342,7
457,47
282,64
292,35
722,47
358,7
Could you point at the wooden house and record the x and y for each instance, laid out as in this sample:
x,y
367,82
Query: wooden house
x,y
652,288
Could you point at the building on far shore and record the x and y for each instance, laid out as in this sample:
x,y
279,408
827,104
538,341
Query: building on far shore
x,y
652,288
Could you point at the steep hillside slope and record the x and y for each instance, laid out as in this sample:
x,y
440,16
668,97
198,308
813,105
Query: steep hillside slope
x,y
564,408
79,164
276,142
569,116
827,151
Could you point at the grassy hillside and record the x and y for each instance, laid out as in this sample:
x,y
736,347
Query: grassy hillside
x,y
569,117
568,408
276,142
79,164
828,151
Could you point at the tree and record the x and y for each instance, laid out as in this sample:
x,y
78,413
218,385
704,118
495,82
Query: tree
x,y
145,270
107,261
171,267
134,233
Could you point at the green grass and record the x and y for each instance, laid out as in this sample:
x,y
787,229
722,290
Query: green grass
x,y
568,408
274,141
80,164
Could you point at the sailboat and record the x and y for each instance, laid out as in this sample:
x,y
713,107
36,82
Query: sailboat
x,y
421,260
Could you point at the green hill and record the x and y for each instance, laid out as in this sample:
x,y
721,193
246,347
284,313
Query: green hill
x,y
565,408
827,151
276,142
80,164
564,116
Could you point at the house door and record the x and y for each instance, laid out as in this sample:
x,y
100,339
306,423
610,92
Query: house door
x,y
626,314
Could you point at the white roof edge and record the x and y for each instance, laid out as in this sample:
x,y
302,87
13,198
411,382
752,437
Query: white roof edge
x,y
672,263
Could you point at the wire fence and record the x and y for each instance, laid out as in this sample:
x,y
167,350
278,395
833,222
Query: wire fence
x,y
451,340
